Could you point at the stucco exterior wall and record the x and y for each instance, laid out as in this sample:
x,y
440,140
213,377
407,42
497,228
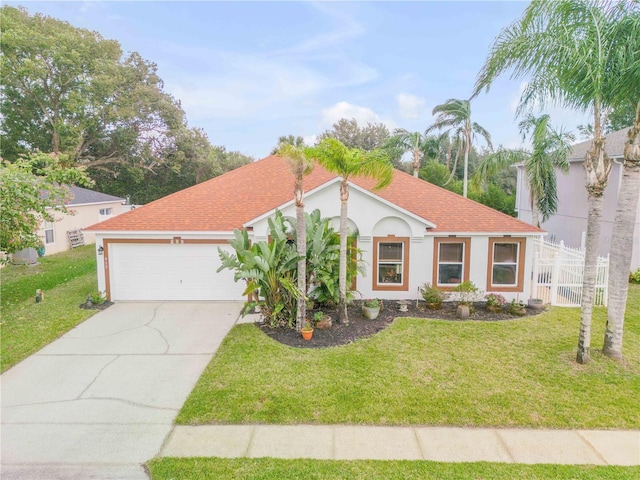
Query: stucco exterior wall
x,y
570,221
85,215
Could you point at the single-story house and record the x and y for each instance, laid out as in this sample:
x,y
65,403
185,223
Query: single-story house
x,y
569,223
86,207
410,233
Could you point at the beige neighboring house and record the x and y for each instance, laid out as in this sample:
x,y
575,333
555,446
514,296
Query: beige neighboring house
x,y
569,223
89,207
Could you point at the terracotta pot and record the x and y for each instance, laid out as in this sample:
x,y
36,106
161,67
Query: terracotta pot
x,y
493,308
307,333
463,312
370,312
324,324
434,305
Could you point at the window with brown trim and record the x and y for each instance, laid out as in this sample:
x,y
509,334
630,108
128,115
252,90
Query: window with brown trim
x,y
390,263
506,264
450,261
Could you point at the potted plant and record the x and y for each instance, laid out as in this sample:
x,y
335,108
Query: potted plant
x,y
536,303
432,296
322,321
516,307
371,308
307,331
495,302
467,291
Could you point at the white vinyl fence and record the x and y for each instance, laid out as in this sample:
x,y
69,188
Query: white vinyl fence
x,y
557,275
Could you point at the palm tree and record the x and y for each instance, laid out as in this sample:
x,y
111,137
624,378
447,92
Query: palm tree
x,y
420,145
455,115
628,57
567,50
301,165
296,141
349,162
549,151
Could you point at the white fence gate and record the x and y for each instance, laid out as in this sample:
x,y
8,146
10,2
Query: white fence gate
x,y
557,275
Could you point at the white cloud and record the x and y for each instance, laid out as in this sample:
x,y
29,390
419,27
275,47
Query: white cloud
x,y
410,106
310,139
347,110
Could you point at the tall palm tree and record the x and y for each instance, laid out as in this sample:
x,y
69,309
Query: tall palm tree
x,y
350,162
420,145
549,151
566,50
301,165
296,141
455,115
628,57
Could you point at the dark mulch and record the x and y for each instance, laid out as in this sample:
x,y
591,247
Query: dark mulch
x,y
360,327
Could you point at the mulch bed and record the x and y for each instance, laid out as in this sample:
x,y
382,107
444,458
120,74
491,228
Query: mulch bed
x,y
96,306
360,327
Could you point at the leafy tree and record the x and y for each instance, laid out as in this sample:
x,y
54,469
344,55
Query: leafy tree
x,y
369,137
296,141
455,116
549,151
32,190
571,56
300,165
68,90
350,162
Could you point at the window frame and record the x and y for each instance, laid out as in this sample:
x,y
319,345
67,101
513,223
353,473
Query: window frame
x,y
521,242
49,227
404,285
106,209
466,260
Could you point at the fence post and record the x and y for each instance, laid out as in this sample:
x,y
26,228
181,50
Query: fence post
x,y
554,279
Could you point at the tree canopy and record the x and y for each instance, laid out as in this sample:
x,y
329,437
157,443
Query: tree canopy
x,y
67,90
33,189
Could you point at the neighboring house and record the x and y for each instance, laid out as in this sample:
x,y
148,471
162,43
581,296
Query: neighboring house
x,y
86,207
569,223
410,233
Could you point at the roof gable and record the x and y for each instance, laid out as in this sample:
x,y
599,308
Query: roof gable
x,y
614,146
231,200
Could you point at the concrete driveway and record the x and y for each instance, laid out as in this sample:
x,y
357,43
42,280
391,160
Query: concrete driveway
x,y
100,401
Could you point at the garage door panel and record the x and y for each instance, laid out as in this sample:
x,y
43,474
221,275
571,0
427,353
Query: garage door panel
x,y
170,272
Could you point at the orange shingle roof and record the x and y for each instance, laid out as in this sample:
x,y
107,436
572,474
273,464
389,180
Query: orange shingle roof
x,y
230,200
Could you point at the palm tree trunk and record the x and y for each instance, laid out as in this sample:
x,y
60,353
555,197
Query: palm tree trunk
x,y
594,205
301,235
416,162
467,147
343,316
620,252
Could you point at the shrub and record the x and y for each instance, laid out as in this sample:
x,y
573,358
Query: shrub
x,y
431,294
495,299
468,292
634,277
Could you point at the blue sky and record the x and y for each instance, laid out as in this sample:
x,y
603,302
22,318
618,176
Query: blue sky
x,y
248,72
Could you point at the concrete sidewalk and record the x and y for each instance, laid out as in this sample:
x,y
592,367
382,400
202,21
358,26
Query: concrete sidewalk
x,y
328,442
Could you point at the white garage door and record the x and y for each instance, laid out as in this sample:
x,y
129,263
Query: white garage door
x,y
141,271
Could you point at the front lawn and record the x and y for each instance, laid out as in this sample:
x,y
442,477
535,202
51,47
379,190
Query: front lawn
x,y
66,279
277,469
518,373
